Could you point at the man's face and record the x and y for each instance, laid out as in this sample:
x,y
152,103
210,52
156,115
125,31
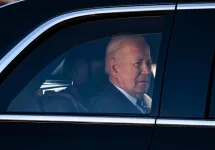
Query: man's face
x,y
135,68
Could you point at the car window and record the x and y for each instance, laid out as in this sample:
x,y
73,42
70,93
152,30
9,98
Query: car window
x,y
190,54
80,70
84,77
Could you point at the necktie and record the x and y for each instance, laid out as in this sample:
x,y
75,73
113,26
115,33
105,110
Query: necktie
x,y
145,109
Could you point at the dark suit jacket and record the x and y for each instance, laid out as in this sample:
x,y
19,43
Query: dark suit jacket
x,y
112,101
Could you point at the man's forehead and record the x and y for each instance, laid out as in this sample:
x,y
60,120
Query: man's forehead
x,y
137,55
138,49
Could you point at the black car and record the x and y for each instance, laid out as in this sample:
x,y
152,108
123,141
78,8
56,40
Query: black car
x,y
41,42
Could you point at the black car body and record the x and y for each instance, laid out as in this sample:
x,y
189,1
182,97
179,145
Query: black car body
x,y
183,106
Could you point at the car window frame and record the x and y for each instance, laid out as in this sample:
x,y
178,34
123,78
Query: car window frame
x,y
6,60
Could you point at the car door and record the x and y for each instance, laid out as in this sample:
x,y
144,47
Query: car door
x,y
28,65
183,121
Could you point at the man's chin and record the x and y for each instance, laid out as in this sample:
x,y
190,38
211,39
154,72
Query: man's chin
x,y
142,92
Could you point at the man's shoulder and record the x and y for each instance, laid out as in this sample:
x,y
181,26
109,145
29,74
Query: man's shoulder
x,y
108,91
104,100
103,104
103,97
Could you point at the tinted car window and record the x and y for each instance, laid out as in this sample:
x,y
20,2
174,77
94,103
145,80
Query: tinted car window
x,y
83,79
68,59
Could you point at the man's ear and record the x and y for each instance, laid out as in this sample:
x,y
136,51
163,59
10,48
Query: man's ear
x,y
113,66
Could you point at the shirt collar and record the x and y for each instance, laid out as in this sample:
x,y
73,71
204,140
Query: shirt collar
x,y
131,98
128,96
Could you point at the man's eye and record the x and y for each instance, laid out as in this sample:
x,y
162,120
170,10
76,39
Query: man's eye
x,y
137,63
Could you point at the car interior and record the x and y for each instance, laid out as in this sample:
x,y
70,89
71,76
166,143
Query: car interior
x,y
60,78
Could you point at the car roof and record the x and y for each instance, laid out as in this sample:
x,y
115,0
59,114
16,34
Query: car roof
x,y
20,18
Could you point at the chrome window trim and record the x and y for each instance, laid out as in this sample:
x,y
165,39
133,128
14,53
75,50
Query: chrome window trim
x,y
11,3
196,6
185,122
78,119
107,120
98,11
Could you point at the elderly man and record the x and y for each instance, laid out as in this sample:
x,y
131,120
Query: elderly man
x,y
128,65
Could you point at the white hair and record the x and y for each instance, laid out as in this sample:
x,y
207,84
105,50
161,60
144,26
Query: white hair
x,y
116,44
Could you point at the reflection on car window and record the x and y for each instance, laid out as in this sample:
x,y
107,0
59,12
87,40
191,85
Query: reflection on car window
x,y
117,78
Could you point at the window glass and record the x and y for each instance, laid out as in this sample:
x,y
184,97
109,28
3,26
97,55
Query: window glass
x,y
75,69
121,68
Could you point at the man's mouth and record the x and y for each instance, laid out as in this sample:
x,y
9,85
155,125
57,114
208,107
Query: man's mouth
x,y
144,81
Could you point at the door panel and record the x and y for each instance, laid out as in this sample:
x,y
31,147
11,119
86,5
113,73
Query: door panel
x,y
186,83
177,137
65,136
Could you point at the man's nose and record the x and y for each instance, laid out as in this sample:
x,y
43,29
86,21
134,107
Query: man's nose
x,y
145,69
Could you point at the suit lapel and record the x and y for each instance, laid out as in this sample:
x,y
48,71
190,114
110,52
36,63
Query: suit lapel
x,y
123,104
